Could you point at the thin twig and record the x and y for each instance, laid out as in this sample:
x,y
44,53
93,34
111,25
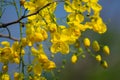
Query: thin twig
x,y
7,36
22,17
8,31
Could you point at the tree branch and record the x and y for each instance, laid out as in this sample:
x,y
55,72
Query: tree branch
x,y
9,37
4,25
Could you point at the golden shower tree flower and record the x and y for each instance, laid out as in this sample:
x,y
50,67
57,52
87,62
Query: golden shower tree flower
x,y
5,77
95,46
43,34
59,43
98,58
106,50
74,58
86,42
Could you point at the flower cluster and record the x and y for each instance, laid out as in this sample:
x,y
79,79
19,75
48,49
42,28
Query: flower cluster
x,y
42,26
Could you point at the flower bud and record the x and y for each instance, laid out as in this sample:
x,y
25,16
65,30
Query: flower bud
x,y
74,59
96,46
4,68
5,43
16,75
98,58
86,42
104,64
106,50
5,77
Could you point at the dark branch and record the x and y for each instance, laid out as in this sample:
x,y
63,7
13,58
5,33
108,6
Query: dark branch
x,y
8,31
4,25
7,36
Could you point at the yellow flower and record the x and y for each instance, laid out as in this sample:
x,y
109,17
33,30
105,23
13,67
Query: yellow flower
x,y
94,1
95,46
52,27
37,37
37,69
85,0
74,58
42,58
96,7
6,51
16,60
49,65
86,42
104,64
106,50
98,25
16,75
24,42
98,58
60,47
34,51
68,7
4,68
59,43
5,43
5,77
44,34
35,5
15,45
75,17
6,54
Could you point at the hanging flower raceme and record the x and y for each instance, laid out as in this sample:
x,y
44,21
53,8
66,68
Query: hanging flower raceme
x,y
44,34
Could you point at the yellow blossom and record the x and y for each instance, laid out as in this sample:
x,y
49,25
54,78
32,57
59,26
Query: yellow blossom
x,y
74,58
49,65
98,25
37,37
16,75
37,69
44,34
98,58
42,58
34,51
5,77
4,68
59,43
106,50
5,43
85,0
32,6
104,64
52,27
60,47
15,45
24,42
86,42
96,7
76,17
16,60
96,46
6,54
68,7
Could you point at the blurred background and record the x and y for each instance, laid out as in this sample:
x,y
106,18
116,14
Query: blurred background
x,y
88,68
